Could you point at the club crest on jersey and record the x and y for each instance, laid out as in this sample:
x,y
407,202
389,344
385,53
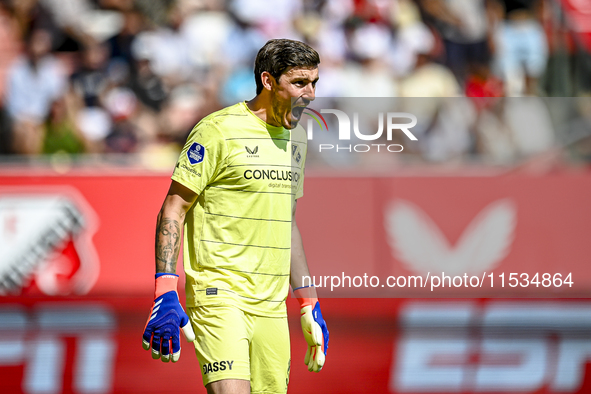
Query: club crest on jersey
x,y
295,153
252,152
196,153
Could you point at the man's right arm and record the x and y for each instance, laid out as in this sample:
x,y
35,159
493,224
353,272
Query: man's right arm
x,y
167,317
171,218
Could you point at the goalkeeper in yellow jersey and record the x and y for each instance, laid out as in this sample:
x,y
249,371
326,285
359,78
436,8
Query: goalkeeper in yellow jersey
x,y
234,190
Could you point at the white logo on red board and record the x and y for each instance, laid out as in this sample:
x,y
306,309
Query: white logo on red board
x,y
46,242
501,347
418,242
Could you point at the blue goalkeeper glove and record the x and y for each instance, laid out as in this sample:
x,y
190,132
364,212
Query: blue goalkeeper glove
x,y
313,327
162,331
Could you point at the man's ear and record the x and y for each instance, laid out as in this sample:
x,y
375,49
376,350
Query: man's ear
x,y
267,80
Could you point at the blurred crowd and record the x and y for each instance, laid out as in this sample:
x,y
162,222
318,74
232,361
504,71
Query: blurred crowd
x,y
134,76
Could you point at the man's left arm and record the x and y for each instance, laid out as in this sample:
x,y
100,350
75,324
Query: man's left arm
x,y
299,264
313,324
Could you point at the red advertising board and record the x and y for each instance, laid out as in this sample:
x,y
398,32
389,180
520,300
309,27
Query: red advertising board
x,y
382,227
120,209
76,274
67,345
482,227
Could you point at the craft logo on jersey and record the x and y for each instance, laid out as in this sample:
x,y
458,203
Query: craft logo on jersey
x,y
46,243
295,153
252,152
196,153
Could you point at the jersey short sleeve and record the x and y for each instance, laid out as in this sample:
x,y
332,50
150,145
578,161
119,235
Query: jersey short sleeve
x,y
202,159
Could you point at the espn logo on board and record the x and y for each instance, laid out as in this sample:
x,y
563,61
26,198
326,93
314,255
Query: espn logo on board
x,y
500,347
61,348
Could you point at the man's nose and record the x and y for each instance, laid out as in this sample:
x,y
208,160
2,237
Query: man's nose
x,y
309,93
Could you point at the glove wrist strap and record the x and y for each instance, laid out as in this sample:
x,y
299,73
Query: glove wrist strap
x,y
165,283
306,296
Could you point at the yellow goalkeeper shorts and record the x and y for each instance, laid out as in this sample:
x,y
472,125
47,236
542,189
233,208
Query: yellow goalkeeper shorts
x,y
233,344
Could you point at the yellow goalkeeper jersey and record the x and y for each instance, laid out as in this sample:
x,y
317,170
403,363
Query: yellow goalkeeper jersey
x,y
237,235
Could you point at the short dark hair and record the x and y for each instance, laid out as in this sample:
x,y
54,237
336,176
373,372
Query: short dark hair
x,y
279,55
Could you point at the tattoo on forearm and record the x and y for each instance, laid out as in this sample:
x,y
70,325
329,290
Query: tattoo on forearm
x,y
168,240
